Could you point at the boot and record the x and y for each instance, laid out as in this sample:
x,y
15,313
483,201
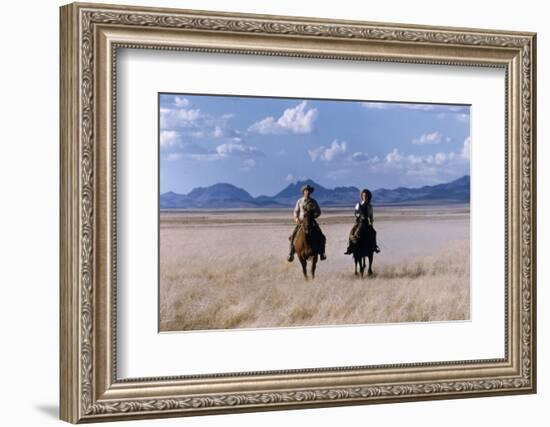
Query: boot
x,y
377,249
324,243
349,250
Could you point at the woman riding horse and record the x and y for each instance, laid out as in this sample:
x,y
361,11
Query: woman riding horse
x,y
363,221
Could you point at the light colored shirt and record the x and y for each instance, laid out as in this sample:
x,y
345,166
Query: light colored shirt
x,y
299,209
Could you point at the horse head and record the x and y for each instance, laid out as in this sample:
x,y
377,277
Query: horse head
x,y
307,222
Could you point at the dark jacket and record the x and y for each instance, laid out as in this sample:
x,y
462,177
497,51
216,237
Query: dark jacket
x,y
364,213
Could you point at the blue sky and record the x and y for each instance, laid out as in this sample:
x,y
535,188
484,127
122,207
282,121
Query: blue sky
x,y
263,144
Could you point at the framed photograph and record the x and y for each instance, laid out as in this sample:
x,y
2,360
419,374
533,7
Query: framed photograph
x,y
268,212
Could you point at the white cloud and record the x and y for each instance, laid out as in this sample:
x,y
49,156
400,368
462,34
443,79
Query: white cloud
x,y
465,154
178,118
394,157
297,120
198,152
190,150
180,101
218,132
173,156
463,117
440,158
187,115
361,157
336,150
185,150
433,107
248,164
236,149
316,153
430,138
440,108
195,123
377,105
420,107
168,138
434,168
202,157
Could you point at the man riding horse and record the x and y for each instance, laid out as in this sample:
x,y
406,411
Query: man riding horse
x,y
306,205
363,220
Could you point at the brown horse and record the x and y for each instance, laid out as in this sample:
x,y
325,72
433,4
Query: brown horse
x,y
308,243
364,248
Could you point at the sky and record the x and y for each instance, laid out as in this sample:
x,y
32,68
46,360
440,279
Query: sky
x,y
262,144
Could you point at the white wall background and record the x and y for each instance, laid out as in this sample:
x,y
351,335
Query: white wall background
x,y
29,171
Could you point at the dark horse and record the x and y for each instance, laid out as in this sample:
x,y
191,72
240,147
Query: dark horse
x,y
364,248
309,242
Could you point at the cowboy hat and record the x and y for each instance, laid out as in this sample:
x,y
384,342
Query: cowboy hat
x,y
307,187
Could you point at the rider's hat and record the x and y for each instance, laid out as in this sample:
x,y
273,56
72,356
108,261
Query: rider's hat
x,y
307,187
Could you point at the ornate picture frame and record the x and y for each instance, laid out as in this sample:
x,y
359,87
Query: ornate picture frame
x,y
90,37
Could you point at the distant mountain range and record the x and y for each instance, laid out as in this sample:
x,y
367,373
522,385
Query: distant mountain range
x,y
223,195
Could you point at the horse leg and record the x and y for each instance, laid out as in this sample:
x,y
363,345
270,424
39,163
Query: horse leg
x,y
362,266
370,265
313,266
303,261
355,262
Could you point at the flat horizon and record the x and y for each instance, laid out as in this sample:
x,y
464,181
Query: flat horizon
x,y
317,183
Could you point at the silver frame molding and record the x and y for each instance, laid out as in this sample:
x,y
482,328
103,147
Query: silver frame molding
x,y
90,36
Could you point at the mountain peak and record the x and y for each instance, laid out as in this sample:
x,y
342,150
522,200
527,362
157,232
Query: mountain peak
x,y
462,180
225,195
219,195
293,189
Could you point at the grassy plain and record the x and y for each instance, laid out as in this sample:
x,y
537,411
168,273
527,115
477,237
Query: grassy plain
x,y
228,269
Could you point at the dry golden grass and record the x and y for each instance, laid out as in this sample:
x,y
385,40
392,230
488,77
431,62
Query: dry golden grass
x,y
223,276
